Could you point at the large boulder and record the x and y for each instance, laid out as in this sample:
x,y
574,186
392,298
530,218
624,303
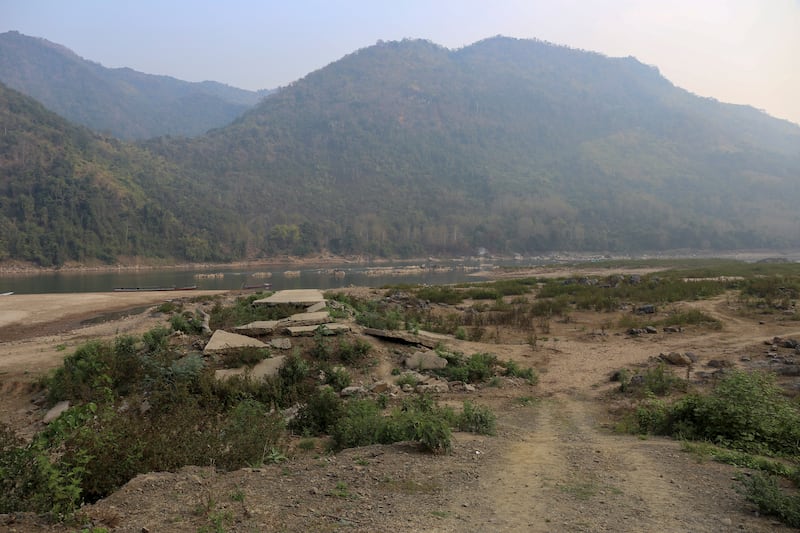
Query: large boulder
x,y
427,360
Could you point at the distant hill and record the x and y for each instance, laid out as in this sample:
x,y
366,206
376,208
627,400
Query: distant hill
x,y
67,194
512,145
406,148
120,101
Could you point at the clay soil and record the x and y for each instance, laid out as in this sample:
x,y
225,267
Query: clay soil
x,y
555,464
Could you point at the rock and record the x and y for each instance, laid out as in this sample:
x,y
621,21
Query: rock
x,y
745,358
353,391
691,356
222,340
672,329
281,343
651,330
646,309
636,332
428,360
381,386
407,387
56,411
676,358
719,363
433,387
789,343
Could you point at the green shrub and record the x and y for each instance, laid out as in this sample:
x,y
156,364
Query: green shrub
x,y
155,340
477,419
692,317
186,323
479,367
244,356
360,425
765,492
407,378
660,380
440,294
338,378
514,370
352,353
319,414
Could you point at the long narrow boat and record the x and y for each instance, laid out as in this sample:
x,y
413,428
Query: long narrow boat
x,y
257,286
6,293
151,289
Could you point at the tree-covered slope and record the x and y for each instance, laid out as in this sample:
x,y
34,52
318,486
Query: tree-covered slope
x,y
409,148
123,102
512,145
67,194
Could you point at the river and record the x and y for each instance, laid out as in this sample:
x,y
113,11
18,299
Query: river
x,y
280,277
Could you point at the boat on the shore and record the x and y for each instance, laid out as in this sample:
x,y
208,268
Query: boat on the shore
x,y
9,293
154,289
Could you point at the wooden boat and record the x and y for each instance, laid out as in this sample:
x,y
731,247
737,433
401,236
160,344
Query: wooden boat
x,y
257,286
9,293
151,289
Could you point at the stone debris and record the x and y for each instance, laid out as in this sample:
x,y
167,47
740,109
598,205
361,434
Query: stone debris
x,y
405,337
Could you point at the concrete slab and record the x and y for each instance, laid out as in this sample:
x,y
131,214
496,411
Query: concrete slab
x,y
307,319
308,331
319,306
305,297
222,340
267,367
259,327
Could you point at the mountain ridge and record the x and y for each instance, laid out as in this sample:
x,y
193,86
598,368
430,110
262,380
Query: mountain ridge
x,y
517,146
122,101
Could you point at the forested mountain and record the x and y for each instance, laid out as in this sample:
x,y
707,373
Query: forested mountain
x,y
409,148
67,194
513,145
120,101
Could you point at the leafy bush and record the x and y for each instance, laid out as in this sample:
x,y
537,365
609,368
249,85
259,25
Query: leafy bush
x,y
352,353
243,312
514,370
478,368
338,378
693,317
765,492
186,322
319,414
244,356
440,294
477,419
744,411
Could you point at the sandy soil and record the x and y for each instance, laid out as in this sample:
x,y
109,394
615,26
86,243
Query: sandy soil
x,y
555,465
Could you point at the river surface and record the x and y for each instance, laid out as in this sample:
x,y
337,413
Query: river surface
x,y
282,277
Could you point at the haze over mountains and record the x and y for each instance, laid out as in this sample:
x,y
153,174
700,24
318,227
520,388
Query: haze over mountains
x,y
408,148
119,101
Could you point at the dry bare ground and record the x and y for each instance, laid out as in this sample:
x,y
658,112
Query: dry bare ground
x,y
555,464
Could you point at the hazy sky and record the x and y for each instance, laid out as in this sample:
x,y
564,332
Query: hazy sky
x,y
740,51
